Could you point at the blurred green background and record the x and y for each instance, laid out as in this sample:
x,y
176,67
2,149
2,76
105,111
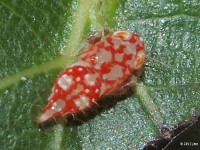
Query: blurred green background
x,y
34,34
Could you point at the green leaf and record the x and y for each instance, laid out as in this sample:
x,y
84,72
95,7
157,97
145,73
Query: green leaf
x,y
34,33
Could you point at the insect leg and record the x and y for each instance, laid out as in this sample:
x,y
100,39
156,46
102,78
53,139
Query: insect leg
x,y
126,86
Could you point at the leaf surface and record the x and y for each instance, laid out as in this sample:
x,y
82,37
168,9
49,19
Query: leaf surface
x,y
34,33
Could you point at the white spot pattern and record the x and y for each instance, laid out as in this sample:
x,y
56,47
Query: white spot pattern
x,y
78,79
119,57
87,90
103,56
90,79
114,74
80,69
117,43
70,70
65,81
82,103
130,49
58,105
97,90
78,89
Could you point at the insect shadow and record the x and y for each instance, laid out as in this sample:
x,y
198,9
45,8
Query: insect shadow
x,y
77,119
105,103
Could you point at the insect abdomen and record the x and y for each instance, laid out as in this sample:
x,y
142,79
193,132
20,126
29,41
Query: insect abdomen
x,y
75,89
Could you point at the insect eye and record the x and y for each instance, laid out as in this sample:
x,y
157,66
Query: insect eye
x,y
121,35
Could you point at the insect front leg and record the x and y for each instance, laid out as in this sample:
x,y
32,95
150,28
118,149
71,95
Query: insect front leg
x,y
131,82
126,86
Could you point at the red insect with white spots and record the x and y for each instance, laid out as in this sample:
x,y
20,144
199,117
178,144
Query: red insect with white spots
x,y
105,67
